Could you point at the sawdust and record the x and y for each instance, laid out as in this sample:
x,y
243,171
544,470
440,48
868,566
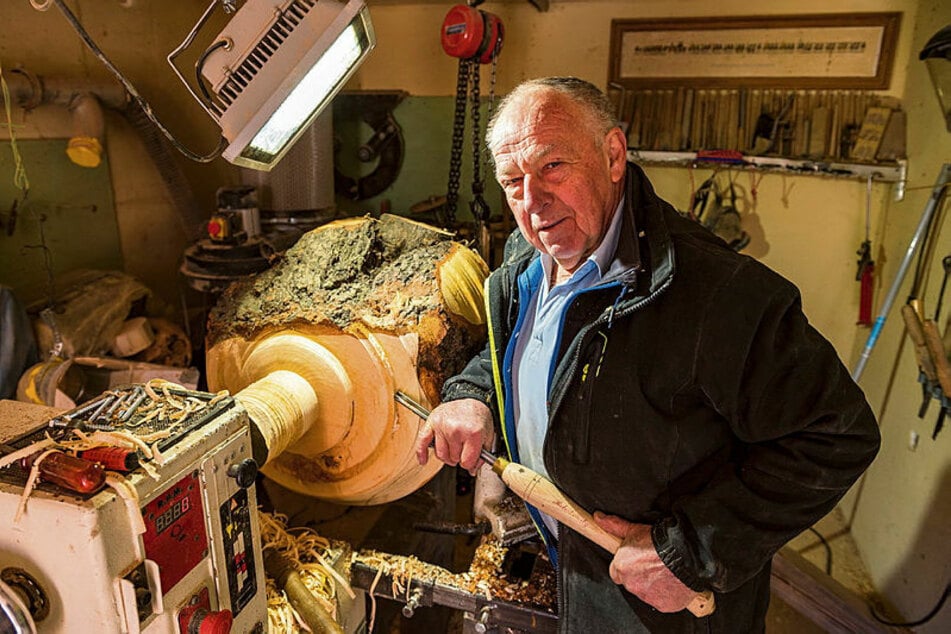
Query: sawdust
x,y
486,576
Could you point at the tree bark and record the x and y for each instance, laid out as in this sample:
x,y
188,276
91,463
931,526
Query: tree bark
x,y
316,346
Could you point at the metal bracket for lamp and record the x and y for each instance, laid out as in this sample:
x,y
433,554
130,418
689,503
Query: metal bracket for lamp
x,y
273,68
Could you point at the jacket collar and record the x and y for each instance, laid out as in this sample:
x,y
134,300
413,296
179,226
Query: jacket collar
x,y
644,261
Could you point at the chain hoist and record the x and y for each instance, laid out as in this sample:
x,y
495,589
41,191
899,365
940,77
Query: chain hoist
x,y
475,37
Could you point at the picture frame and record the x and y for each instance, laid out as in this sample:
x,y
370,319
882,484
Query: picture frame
x,y
853,51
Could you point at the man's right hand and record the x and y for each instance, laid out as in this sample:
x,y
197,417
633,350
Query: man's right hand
x,y
459,430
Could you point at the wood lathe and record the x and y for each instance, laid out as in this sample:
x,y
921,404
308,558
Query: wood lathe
x,y
303,362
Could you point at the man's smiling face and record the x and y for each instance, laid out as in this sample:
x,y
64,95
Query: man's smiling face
x,y
561,175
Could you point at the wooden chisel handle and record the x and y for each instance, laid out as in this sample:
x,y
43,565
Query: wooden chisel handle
x,y
938,355
917,334
541,493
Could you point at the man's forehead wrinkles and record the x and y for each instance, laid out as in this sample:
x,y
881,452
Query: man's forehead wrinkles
x,y
525,149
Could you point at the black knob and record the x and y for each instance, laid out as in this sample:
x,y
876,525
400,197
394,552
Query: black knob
x,y
244,472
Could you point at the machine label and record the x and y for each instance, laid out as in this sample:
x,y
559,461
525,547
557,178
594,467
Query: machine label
x,y
239,554
175,537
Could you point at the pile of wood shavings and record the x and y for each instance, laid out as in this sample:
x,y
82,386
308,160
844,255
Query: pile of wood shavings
x,y
160,405
313,554
485,576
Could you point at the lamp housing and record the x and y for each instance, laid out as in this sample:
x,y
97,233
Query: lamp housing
x,y
937,57
275,66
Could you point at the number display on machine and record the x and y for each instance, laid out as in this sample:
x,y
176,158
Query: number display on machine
x,y
175,536
166,519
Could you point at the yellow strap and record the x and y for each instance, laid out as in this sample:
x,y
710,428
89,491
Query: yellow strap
x,y
496,371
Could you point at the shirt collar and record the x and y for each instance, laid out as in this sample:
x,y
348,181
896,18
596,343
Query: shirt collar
x,y
603,256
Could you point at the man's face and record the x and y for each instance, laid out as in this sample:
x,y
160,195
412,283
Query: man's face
x,y
560,182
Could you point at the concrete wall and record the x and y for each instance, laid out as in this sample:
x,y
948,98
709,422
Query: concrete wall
x,y
806,228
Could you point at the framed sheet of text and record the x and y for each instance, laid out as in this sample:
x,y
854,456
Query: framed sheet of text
x,y
851,51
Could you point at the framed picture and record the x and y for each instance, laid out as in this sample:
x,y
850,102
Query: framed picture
x,y
830,50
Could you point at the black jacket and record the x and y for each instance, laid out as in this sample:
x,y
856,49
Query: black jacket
x,y
689,393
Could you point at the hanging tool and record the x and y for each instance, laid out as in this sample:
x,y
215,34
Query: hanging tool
x,y
475,37
866,265
926,371
937,195
545,496
938,353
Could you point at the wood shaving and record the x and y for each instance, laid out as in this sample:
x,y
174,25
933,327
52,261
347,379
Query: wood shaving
x,y
485,576
25,452
311,552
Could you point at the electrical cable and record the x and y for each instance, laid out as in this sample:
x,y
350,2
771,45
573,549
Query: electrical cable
x,y
922,620
927,248
20,181
201,64
827,547
146,108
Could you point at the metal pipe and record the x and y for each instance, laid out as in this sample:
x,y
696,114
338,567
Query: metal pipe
x,y
920,231
29,91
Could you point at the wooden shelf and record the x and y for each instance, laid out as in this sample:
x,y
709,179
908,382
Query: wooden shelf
x,y
886,173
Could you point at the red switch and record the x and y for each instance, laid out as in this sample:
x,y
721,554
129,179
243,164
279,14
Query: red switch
x,y
202,621
215,228
216,623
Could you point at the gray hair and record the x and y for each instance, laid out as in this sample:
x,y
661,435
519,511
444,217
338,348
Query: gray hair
x,y
585,94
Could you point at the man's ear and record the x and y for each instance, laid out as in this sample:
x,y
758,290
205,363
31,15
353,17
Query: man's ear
x,y
616,144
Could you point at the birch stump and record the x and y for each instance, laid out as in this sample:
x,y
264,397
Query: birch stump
x,y
315,347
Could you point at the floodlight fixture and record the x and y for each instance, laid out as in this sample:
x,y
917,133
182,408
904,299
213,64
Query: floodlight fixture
x,y
274,68
937,57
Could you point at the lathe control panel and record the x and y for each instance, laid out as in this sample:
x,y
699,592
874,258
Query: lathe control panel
x,y
169,542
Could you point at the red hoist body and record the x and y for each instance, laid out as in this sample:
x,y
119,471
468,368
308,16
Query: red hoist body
x,y
468,33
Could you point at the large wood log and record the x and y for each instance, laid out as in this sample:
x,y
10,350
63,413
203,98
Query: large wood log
x,y
315,348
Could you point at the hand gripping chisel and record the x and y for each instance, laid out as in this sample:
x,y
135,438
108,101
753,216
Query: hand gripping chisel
x,y
541,493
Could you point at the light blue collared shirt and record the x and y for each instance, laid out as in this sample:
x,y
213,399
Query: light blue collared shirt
x,y
535,343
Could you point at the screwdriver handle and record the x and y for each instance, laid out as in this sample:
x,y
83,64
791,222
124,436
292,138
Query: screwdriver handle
x,y
70,472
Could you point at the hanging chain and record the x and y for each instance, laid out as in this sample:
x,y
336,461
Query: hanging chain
x,y
467,88
480,210
458,131
491,109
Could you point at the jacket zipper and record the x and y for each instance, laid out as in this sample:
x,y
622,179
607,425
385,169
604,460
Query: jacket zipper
x,y
589,372
559,391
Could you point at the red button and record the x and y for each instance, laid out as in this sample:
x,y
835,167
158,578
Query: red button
x,y
216,623
214,228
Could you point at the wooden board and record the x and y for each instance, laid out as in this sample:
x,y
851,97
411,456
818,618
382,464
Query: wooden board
x,y
820,598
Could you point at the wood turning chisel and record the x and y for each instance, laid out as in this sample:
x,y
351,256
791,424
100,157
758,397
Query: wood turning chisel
x,y
541,493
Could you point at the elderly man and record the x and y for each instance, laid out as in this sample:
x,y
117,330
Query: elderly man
x,y
667,384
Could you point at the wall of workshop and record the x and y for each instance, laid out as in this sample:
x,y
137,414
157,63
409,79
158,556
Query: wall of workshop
x,y
902,523
806,228
136,36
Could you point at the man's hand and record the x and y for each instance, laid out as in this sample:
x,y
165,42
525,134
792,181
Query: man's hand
x,y
638,568
460,430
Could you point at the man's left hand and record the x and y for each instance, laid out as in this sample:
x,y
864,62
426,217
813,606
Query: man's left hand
x,y
638,568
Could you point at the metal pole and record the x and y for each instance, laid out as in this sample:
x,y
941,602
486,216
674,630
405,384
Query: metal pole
x,y
926,215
